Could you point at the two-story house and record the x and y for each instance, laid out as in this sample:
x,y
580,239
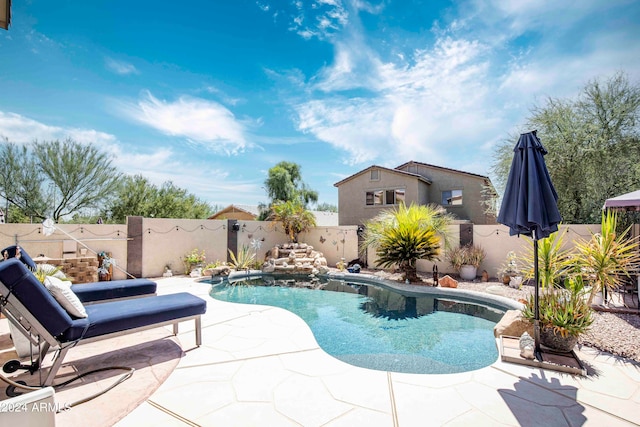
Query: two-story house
x,y
364,194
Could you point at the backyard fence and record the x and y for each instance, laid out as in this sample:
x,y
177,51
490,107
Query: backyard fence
x,y
145,246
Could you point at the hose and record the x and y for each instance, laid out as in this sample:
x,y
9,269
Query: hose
x,y
120,380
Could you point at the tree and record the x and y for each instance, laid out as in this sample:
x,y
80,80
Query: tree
x,y
404,235
293,216
21,184
593,144
284,183
55,178
326,207
135,195
82,175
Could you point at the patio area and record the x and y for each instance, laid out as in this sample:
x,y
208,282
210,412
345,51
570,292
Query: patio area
x,y
262,366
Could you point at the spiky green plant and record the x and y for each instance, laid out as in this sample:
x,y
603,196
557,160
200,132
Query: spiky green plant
x,y
243,260
607,257
43,270
404,235
566,310
465,255
554,262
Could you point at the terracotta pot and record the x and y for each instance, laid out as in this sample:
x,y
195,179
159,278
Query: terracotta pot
x,y
557,342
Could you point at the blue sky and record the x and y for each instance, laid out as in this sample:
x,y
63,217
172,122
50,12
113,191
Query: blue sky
x,y
211,94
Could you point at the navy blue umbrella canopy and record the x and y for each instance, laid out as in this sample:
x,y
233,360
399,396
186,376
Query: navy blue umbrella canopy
x,y
530,202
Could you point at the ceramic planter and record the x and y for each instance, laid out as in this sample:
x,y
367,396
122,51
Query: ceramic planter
x,y
556,341
468,272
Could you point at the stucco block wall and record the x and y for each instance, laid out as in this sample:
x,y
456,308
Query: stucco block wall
x,y
168,240
97,237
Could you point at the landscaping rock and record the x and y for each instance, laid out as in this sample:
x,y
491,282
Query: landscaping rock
x,y
448,282
512,324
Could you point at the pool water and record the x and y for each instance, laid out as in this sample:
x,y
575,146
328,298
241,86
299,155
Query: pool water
x,y
379,328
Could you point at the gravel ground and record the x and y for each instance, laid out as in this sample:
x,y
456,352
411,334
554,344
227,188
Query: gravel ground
x,y
615,333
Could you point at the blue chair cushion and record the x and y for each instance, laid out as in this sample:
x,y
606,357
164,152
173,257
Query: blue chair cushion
x,y
100,291
117,316
34,296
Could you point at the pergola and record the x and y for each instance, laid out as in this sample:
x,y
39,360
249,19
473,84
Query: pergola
x,y
625,202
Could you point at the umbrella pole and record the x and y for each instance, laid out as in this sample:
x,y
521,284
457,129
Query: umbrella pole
x,y
536,319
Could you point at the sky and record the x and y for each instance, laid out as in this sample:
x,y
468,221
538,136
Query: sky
x,y
211,94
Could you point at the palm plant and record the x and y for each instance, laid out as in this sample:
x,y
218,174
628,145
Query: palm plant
x,y
607,256
554,262
294,217
406,234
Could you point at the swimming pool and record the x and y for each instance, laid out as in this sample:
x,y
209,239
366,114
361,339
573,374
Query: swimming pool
x,y
377,327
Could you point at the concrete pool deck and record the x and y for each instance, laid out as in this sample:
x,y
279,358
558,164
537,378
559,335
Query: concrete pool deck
x,y
261,365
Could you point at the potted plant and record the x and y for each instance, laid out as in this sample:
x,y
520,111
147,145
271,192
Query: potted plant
x,y
564,314
193,259
105,270
465,260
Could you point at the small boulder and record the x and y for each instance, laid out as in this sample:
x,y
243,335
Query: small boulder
x,y
513,324
448,282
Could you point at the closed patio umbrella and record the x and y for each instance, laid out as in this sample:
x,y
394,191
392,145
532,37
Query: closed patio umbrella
x,y
530,203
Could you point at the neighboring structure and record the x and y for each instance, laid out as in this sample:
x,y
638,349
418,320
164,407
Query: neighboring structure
x,y
239,212
250,213
5,14
364,194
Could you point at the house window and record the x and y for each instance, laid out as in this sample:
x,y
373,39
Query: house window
x,y
452,197
375,197
394,197
390,197
385,197
375,175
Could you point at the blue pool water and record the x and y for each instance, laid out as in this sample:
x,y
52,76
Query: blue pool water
x,y
379,328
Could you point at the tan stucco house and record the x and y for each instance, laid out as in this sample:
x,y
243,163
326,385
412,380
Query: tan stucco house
x,y
364,194
251,212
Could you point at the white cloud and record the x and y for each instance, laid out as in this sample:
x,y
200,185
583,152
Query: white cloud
x,y
470,87
120,67
320,18
23,130
197,120
439,101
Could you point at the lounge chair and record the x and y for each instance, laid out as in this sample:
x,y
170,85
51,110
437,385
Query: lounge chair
x,y
96,291
38,315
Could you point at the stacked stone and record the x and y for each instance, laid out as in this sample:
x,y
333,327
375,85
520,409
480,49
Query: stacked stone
x,y
78,270
295,258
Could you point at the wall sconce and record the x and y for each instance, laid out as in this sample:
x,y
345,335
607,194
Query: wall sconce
x,y
235,226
